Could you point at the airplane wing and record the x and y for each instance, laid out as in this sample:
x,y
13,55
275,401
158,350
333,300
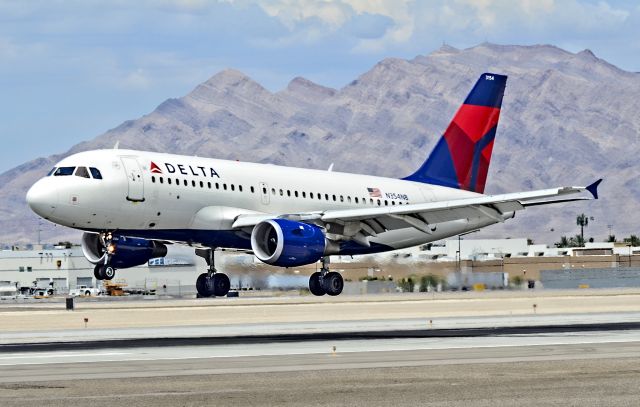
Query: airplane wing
x,y
361,222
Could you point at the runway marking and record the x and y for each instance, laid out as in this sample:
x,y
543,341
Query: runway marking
x,y
64,355
300,353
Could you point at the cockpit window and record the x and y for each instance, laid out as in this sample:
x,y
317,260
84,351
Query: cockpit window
x,y
82,172
96,173
64,171
51,172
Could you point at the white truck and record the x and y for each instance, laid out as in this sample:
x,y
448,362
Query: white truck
x,y
85,291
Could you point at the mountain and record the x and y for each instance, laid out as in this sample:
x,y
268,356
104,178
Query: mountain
x,y
567,119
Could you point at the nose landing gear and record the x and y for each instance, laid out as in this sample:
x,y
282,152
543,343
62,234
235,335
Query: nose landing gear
x,y
104,272
211,283
325,281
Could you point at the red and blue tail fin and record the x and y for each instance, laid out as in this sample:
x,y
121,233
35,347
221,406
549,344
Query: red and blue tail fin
x,y
461,157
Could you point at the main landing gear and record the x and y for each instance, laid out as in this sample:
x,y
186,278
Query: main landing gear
x,y
211,283
325,281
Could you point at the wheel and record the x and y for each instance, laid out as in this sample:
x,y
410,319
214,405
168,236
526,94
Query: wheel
x,y
108,272
333,283
315,286
204,285
221,284
96,272
87,293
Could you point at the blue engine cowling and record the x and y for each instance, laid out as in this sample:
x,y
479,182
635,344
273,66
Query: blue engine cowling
x,y
286,243
125,251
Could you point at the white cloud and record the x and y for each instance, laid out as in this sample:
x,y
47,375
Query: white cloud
x,y
138,79
479,17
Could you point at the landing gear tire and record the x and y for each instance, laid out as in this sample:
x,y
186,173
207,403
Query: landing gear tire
x,y
213,286
104,272
108,272
332,283
204,285
315,285
96,272
221,284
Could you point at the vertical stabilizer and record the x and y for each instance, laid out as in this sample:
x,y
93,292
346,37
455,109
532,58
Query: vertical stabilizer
x,y
462,156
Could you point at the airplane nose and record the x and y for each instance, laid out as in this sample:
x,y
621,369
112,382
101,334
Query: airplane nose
x,y
41,199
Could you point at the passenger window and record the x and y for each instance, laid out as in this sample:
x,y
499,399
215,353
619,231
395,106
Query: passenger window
x,y
209,185
334,198
185,182
95,173
201,184
393,203
51,172
356,198
233,188
311,195
193,183
273,191
295,193
240,188
169,181
281,193
341,198
378,202
63,171
153,179
161,180
326,197
288,192
224,186
177,181
264,190
217,186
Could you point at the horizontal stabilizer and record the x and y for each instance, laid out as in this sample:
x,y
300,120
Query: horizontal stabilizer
x,y
593,188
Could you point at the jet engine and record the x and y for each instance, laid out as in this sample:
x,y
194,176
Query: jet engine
x,y
124,251
287,243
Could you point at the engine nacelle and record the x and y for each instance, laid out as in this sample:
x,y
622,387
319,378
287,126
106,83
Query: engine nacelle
x,y
125,251
287,243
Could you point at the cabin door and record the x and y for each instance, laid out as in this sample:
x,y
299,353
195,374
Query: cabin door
x,y
134,179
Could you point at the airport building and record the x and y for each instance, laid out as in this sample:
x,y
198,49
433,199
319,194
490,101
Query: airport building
x,y
494,262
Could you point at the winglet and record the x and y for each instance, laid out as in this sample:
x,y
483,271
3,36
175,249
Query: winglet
x,y
593,188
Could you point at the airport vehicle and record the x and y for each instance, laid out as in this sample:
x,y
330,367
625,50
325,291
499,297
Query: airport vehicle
x,y
8,291
131,204
83,290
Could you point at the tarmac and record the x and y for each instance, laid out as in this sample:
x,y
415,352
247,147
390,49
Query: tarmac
x,y
487,349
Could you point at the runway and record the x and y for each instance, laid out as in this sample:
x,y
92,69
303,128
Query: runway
x,y
577,358
563,368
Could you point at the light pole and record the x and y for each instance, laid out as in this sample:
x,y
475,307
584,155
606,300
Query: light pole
x,y
459,252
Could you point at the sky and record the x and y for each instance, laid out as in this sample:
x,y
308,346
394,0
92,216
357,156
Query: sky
x,y
70,70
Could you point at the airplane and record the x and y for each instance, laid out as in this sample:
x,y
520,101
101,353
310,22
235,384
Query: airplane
x,y
131,204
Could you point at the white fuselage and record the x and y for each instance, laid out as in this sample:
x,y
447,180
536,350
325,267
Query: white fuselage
x,y
191,199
